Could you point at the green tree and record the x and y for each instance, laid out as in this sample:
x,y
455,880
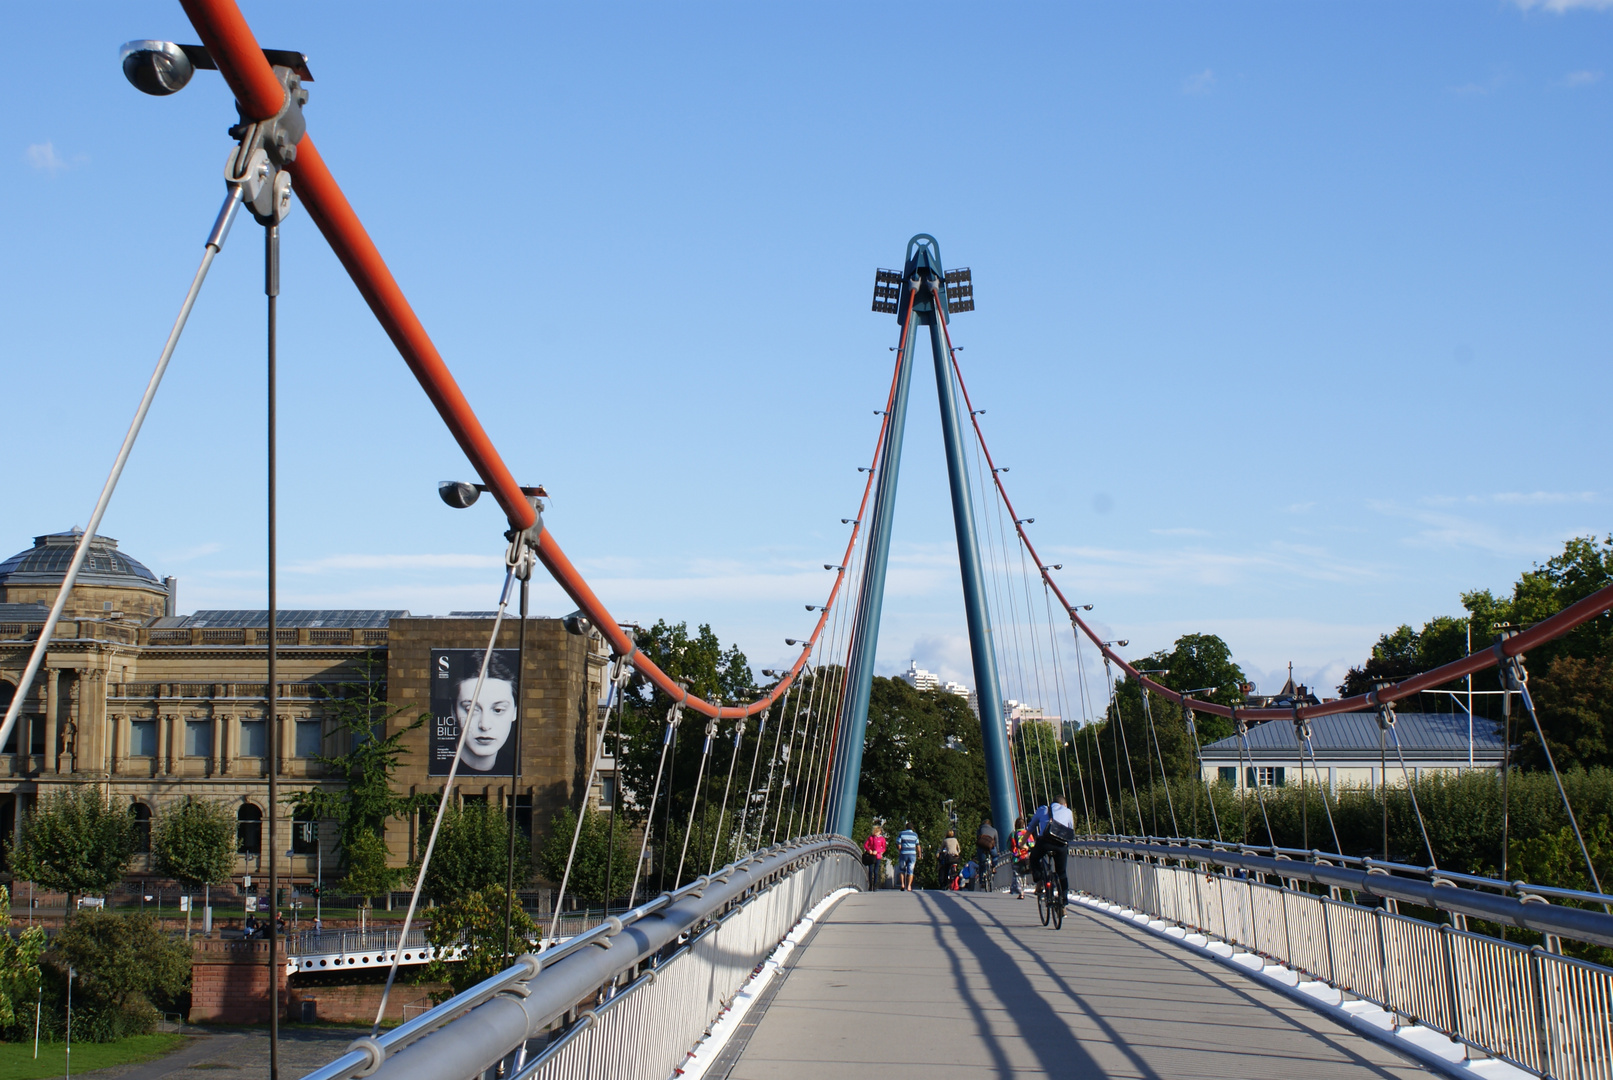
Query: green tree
x,y
472,853
77,842
368,874
366,799
714,673
19,971
193,842
589,866
1404,652
475,923
125,968
922,750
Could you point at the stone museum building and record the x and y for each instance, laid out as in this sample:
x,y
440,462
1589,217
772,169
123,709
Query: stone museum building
x,y
156,705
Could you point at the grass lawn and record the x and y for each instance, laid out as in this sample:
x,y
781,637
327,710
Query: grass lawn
x,y
17,1059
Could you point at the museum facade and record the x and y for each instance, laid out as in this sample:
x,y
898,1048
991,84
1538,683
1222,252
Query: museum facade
x,y
155,706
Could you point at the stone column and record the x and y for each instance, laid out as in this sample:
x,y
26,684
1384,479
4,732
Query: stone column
x,y
165,736
215,766
114,742
288,731
52,680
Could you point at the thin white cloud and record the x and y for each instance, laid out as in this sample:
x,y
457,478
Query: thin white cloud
x,y
43,157
1299,508
1199,83
1512,498
1582,78
1558,7
396,562
1443,530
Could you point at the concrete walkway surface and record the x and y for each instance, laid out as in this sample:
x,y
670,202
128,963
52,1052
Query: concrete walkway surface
x,y
936,985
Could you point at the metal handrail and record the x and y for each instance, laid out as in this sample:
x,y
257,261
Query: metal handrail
x,y
575,970
1578,924
1316,855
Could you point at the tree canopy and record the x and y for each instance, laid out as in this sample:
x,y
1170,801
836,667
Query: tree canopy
x,y
76,841
472,853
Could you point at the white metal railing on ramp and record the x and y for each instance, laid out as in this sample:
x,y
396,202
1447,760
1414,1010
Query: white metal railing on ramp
x,y
1548,1013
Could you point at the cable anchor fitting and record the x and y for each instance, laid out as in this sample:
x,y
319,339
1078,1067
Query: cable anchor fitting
x,y
264,148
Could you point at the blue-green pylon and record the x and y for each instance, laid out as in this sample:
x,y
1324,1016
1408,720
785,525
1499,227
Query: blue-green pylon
x,y
923,282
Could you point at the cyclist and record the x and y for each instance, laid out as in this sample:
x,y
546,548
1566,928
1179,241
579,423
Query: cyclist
x,y
1053,839
985,849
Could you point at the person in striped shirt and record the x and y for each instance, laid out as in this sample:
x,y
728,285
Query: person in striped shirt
x,y
908,850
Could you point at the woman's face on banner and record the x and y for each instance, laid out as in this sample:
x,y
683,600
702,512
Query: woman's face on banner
x,y
488,717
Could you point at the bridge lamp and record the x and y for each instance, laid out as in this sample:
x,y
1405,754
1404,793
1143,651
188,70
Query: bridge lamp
x,y
977,412
794,641
1084,607
1200,690
577,623
1055,566
1000,468
812,607
851,521
864,468
879,412
160,68
1024,521
1122,642
1154,671
461,495
831,566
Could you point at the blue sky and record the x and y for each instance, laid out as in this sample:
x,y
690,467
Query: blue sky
x,y
1292,318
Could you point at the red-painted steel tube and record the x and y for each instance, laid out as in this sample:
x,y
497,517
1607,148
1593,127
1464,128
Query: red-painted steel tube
x,y
1556,626
240,60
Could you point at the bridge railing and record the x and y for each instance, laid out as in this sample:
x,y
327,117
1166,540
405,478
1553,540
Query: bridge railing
x,y
627,999
1531,1006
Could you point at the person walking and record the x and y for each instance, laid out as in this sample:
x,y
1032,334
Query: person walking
x,y
985,849
1020,844
874,855
908,850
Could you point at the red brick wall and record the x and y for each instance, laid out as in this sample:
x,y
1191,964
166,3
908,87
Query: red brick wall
x,y
229,982
230,985
357,1004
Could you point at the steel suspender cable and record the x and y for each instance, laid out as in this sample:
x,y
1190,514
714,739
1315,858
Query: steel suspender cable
x,y
582,810
1164,780
1411,789
1325,788
694,802
1103,770
789,759
1209,792
271,290
733,758
215,243
1516,678
673,715
518,552
624,672
1260,795
743,847
1121,742
515,773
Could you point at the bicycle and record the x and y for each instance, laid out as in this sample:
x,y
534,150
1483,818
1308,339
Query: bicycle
x,y
1049,897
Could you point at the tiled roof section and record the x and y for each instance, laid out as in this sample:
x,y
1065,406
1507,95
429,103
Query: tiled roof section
x,y
360,618
1358,733
24,613
46,563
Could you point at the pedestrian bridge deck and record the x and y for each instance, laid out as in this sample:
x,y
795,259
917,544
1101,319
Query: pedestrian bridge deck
x,y
934,985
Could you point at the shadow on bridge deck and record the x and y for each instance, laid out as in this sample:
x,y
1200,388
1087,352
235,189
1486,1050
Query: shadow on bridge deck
x,y
938,984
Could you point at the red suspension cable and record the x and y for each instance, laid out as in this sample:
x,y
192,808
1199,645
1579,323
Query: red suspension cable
x,y
240,60
1546,630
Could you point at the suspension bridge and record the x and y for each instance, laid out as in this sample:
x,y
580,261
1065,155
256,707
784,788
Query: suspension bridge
x,y
1179,956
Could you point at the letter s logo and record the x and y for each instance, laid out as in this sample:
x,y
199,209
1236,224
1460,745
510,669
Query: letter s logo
x,y
442,666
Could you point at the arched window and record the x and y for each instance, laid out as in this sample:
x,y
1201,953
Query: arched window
x,y
249,830
141,814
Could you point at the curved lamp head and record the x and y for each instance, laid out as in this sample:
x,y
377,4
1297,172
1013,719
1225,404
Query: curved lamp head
x,y
158,68
458,494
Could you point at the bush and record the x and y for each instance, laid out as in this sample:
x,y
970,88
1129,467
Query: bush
x,y
589,866
126,971
475,921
